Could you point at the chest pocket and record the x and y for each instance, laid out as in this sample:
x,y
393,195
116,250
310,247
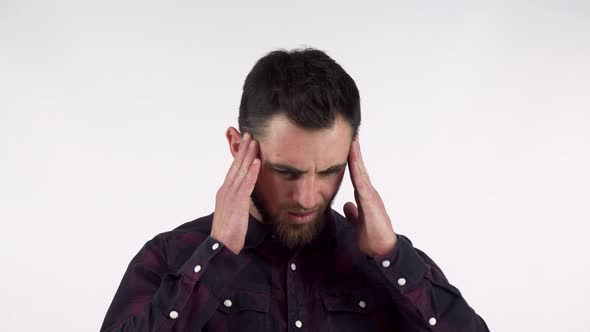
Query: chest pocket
x,y
242,310
364,309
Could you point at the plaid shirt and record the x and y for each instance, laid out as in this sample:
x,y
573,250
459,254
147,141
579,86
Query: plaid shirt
x,y
185,280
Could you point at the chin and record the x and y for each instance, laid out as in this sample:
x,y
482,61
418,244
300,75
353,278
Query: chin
x,y
294,235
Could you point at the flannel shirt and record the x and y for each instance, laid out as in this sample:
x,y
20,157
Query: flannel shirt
x,y
186,280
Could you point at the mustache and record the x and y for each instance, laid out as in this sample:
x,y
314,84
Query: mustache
x,y
302,212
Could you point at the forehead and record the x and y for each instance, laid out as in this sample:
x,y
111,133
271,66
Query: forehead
x,y
286,143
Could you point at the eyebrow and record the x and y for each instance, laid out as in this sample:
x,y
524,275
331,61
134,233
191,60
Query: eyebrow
x,y
296,171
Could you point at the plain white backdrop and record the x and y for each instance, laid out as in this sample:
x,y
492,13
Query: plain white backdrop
x,y
475,131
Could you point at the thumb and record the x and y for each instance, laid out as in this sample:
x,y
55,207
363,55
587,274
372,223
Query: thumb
x,y
351,212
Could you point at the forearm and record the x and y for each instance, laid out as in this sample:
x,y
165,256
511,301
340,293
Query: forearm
x,y
153,297
422,293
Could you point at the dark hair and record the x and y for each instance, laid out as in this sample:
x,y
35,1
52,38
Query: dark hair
x,y
305,85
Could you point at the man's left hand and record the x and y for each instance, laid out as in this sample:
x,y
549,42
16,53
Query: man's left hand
x,y
374,232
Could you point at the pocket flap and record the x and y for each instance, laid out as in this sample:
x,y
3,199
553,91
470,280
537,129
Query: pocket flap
x,y
240,300
355,300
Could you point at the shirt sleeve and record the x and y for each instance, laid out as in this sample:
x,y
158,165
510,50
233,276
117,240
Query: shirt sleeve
x,y
422,293
151,296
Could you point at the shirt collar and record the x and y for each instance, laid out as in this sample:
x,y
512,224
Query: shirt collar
x,y
257,232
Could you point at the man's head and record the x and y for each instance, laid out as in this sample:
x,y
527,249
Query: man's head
x,y
307,86
304,111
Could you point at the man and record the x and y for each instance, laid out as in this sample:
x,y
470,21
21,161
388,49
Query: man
x,y
274,256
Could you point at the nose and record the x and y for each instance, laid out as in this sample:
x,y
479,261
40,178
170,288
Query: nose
x,y
305,192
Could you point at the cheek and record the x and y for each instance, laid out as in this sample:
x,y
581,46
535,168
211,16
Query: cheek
x,y
273,188
270,182
334,182
329,186
338,178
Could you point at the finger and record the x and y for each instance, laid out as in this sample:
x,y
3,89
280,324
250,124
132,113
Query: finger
x,y
237,163
351,213
247,185
358,173
362,162
246,163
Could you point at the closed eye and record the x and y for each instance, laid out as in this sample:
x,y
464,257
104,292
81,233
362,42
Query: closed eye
x,y
293,173
286,173
331,171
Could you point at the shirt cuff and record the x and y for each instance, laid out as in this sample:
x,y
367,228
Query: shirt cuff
x,y
402,266
212,265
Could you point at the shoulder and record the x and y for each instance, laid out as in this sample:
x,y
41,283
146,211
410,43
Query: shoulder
x,y
178,244
199,225
195,227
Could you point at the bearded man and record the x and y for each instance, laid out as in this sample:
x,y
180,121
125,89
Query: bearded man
x,y
274,255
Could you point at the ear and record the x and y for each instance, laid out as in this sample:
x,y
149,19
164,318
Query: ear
x,y
234,139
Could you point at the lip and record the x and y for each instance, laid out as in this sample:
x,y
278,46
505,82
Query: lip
x,y
301,218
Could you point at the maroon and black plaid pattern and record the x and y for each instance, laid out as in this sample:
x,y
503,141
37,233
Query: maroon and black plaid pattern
x,y
185,280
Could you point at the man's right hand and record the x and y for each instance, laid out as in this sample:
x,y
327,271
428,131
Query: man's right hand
x,y
232,202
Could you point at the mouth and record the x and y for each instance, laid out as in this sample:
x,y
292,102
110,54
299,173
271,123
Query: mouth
x,y
301,218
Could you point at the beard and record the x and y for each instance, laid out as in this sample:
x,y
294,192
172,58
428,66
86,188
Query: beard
x,y
290,234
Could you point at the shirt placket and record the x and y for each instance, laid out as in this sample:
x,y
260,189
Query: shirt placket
x,y
296,313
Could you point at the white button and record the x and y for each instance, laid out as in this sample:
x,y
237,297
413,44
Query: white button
x,y
197,268
362,304
432,321
293,266
215,246
173,314
401,281
298,323
227,303
386,263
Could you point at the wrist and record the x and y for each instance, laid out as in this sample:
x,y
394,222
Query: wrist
x,y
386,248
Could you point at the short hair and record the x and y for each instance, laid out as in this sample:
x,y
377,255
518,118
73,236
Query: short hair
x,y
305,85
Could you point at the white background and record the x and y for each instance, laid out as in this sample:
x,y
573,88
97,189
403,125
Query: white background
x,y
475,131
